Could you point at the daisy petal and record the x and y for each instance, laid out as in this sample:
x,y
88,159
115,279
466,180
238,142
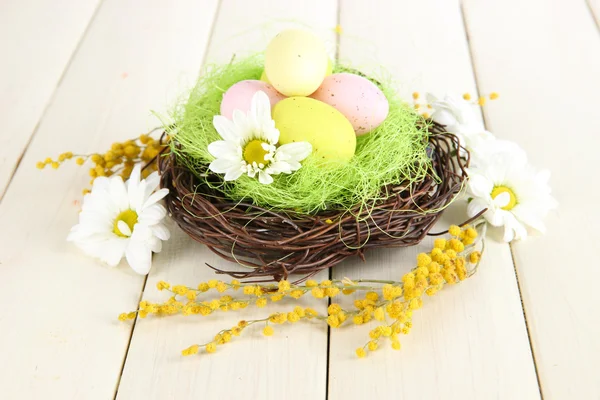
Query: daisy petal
x,y
479,186
124,228
94,249
260,106
226,129
139,257
138,252
529,218
509,234
514,230
264,178
475,207
543,176
99,221
133,183
224,150
101,210
524,192
220,165
233,173
113,251
501,200
280,167
152,182
496,217
136,199
118,193
101,183
154,244
445,118
161,231
155,198
255,125
430,98
244,125
297,151
152,215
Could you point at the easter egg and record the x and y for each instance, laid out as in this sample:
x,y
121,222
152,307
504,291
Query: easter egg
x,y
302,119
357,98
239,96
329,69
296,62
264,78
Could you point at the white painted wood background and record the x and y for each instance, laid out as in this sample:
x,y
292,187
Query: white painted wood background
x,y
79,74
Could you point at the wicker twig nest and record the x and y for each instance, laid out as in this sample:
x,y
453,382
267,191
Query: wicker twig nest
x,y
275,244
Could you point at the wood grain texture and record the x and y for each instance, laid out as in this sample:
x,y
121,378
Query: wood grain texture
x,y
470,341
292,364
544,62
37,41
60,337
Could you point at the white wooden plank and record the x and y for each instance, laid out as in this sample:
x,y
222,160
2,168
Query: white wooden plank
x,y
292,363
37,40
548,79
469,341
60,338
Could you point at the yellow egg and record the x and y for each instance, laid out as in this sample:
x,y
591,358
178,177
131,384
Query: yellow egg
x,y
296,62
264,78
329,70
302,119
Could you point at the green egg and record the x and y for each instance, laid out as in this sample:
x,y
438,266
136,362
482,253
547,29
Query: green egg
x,y
302,119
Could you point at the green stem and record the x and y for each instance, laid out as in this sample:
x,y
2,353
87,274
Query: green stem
x,y
376,281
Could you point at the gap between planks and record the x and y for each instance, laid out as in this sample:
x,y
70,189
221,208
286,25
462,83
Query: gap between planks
x,y
117,386
338,21
220,46
424,71
129,341
512,255
4,190
594,10
533,355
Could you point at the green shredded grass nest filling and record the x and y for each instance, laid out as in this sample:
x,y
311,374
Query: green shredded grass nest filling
x,y
393,153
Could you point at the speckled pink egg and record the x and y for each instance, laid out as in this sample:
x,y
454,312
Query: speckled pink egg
x,y
239,96
357,98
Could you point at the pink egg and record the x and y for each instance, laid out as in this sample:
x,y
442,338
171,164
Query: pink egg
x,y
239,96
357,98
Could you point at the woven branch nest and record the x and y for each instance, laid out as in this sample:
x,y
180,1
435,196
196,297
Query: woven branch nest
x,y
274,244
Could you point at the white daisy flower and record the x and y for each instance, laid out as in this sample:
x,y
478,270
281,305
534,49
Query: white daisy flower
x,y
122,219
459,118
249,145
516,196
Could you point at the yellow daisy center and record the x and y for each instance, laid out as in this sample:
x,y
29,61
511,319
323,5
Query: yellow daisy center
x,y
503,189
130,217
254,152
